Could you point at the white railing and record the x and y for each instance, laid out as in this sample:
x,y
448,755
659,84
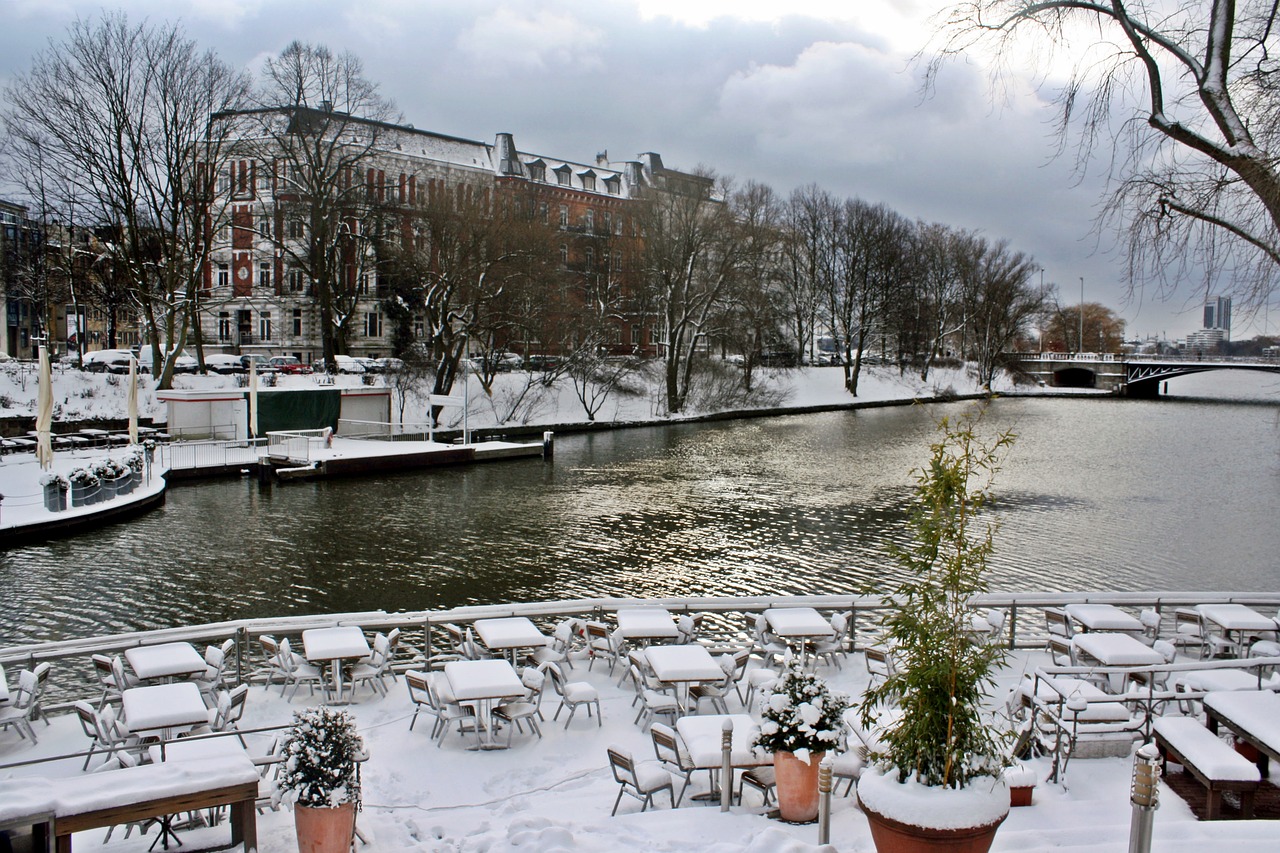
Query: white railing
x,y
191,455
295,445
384,430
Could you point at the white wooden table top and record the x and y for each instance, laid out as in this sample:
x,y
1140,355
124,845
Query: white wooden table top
x,y
1117,649
1103,617
684,663
482,679
514,632
797,622
646,623
164,660
163,706
702,736
1236,617
346,641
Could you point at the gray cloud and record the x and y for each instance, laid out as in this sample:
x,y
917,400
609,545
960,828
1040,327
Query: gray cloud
x,y
791,102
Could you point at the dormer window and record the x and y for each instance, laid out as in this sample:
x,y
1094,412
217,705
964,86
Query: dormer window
x,y
613,185
564,176
537,170
588,180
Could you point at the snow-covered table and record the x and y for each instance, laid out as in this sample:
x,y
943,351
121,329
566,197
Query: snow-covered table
x,y
682,666
167,660
163,708
1237,619
1115,650
483,681
333,646
510,634
1103,617
703,738
646,624
1254,716
189,749
798,626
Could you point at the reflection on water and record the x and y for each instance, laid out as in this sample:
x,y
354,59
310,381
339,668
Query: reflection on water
x,y
1095,494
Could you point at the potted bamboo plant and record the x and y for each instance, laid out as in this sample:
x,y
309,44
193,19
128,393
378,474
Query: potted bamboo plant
x,y
801,721
320,776
937,783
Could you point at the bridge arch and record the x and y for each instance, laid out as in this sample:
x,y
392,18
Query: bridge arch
x,y
1075,377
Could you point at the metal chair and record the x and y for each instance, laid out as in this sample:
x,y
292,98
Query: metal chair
x,y
761,778
572,694
879,663
22,705
671,754
528,709
640,781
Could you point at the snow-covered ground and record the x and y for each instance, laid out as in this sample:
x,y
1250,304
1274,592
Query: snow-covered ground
x,y
517,398
555,794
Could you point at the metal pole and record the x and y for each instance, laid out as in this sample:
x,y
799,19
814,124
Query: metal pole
x,y
1145,796
1081,339
824,801
726,764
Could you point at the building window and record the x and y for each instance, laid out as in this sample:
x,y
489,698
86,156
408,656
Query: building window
x,y
589,220
295,228
373,325
224,275
362,284
588,181
264,325
296,281
224,325
564,255
297,322
564,216
636,340
543,212
608,222
224,182
564,176
419,327
537,171
264,275
264,226
613,185
591,257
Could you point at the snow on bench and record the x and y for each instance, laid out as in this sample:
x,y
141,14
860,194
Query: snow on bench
x,y
136,793
1210,760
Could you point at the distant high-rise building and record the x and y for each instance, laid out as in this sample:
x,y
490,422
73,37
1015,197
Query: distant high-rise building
x,y
1217,314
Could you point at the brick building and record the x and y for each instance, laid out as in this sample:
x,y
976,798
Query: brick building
x,y
257,296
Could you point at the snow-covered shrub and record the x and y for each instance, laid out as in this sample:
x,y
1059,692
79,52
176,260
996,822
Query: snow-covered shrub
x,y
801,715
52,479
320,755
82,477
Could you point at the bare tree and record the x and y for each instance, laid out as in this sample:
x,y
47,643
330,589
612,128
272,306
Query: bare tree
x,y
320,123
1001,303
1186,92
118,116
807,265
940,250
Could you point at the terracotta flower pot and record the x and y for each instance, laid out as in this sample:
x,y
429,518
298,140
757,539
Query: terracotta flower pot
x,y
1020,795
891,836
797,786
325,830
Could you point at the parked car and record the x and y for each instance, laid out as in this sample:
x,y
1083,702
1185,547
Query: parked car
x,y
108,361
183,364
217,362
542,362
262,363
288,364
370,365
502,362
389,365
347,364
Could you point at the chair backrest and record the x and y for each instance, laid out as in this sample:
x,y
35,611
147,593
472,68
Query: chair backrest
x,y
666,746
1150,620
222,710
532,678
688,631
285,657
840,624
419,687
597,631
879,661
102,668
239,695
456,636
1166,649
1057,621
214,657
270,649
995,618
624,768
564,634
1188,622
88,719
557,677
117,672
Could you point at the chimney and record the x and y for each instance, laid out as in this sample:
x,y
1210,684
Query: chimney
x,y
508,162
602,159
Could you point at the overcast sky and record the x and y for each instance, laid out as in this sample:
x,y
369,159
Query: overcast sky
x,y
786,92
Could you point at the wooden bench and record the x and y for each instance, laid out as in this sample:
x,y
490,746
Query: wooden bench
x,y
1210,760
98,800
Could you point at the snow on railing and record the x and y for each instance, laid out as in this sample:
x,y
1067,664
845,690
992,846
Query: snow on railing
x,y
188,455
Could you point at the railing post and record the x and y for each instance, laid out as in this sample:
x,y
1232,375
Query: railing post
x,y
726,764
1144,794
1013,626
824,800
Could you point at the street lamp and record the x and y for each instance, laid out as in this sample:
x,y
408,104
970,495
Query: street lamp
x,y
1081,338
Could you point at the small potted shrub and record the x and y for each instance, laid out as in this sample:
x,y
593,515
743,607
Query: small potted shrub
x,y
320,776
55,491
801,721
84,487
937,784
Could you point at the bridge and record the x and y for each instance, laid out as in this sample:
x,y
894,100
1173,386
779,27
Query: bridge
x,y
1128,375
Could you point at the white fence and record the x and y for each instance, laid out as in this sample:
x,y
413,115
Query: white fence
x,y
190,455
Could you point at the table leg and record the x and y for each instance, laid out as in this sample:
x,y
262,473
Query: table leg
x,y
335,675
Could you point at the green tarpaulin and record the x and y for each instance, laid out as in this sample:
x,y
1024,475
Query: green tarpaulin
x,y
304,409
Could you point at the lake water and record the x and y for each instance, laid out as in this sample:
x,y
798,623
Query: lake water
x,y
1181,493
